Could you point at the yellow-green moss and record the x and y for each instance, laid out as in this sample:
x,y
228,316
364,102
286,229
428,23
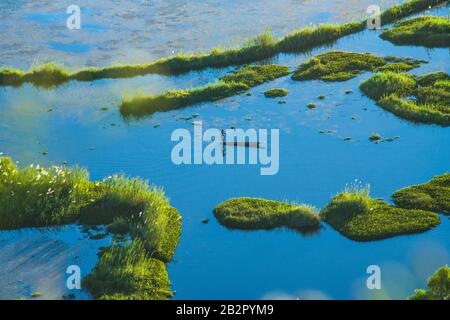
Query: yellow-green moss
x,y
431,196
427,31
255,213
361,218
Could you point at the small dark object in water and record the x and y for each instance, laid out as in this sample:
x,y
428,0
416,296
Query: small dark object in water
x,y
205,221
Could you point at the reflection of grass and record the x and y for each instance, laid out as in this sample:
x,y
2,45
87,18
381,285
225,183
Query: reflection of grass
x,y
237,82
35,197
427,31
438,286
276,92
359,217
262,47
431,97
253,213
431,196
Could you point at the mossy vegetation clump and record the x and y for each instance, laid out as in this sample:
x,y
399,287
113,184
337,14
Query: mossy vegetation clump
x,y
128,273
438,286
431,196
276,92
359,217
426,31
259,48
342,66
429,96
234,83
255,213
337,66
43,197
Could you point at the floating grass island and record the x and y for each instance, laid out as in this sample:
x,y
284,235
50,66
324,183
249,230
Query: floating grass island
x,y
438,286
43,197
237,82
342,66
359,217
431,196
276,92
254,213
261,47
430,96
426,31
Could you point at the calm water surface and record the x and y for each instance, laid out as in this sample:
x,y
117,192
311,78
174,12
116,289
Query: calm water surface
x,y
212,262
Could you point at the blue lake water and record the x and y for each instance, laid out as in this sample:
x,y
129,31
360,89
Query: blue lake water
x,y
211,261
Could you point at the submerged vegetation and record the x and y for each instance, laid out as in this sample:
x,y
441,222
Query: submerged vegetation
x,y
237,82
341,66
262,47
429,96
37,197
359,217
427,31
254,213
276,92
431,196
438,286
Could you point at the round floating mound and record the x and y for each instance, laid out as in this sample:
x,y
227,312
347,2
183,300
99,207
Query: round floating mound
x,y
255,213
276,92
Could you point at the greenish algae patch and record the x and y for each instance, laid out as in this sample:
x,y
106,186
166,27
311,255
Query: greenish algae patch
x,y
38,197
359,217
261,47
276,92
426,31
431,196
438,286
255,213
342,66
237,82
423,99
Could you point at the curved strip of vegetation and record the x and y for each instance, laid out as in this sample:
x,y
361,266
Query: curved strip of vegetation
x,y
38,197
237,82
427,31
429,96
262,47
438,286
431,196
342,66
358,217
254,213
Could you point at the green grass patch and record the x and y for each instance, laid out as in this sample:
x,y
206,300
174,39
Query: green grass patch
x,y
259,48
357,216
234,83
426,31
38,197
424,99
276,92
431,196
128,273
254,213
438,286
342,66
337,66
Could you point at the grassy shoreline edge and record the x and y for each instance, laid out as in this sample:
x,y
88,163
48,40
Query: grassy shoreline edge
x,y
38,197
262,47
